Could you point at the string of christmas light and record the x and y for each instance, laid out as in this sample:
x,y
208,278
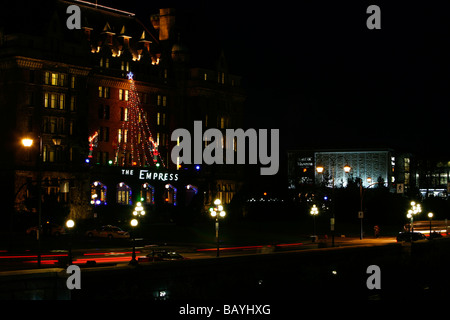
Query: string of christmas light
x,y
93,142
135,140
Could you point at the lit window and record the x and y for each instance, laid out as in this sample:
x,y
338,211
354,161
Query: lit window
x,y
54,100
62,98
54,79
123,193
62,80
148,193
98,193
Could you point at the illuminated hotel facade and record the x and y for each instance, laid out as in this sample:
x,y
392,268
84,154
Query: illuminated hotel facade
x,y
59,87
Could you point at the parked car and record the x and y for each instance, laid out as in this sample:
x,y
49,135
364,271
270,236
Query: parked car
x,y
108,231
48,228
162,255
434,235
410,236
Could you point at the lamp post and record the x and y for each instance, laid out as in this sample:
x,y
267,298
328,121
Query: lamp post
x,y
70,224
27,143
216,212
133,261
137,212
430,215
314,212
320,170
415,209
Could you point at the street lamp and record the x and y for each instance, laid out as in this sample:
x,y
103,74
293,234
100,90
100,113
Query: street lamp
x,y
27,143
314,212
133,261
415,209
430,215
70,224
216,212
320,169
139,210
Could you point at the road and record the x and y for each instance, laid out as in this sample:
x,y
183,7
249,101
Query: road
x,y
121,252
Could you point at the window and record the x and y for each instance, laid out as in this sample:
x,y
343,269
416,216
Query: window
x,y
123,94
161,100
170,194
72,82
103,112
62,100
98,193
53,123
103,92
103,134
55,79
125,66
62,80
407,162
122,134
158,119
123,114
221,77
54,100
72,103
148,194
123,193
102,158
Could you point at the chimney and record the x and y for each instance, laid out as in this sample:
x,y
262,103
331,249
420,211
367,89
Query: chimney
x,y
166,22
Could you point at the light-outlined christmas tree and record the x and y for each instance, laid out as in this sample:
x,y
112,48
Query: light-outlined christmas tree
x,y
135,145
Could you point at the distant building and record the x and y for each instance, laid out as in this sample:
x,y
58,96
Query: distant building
x,y
434,177
371,166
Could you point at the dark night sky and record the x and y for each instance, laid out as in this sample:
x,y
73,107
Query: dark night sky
x,y
314,70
